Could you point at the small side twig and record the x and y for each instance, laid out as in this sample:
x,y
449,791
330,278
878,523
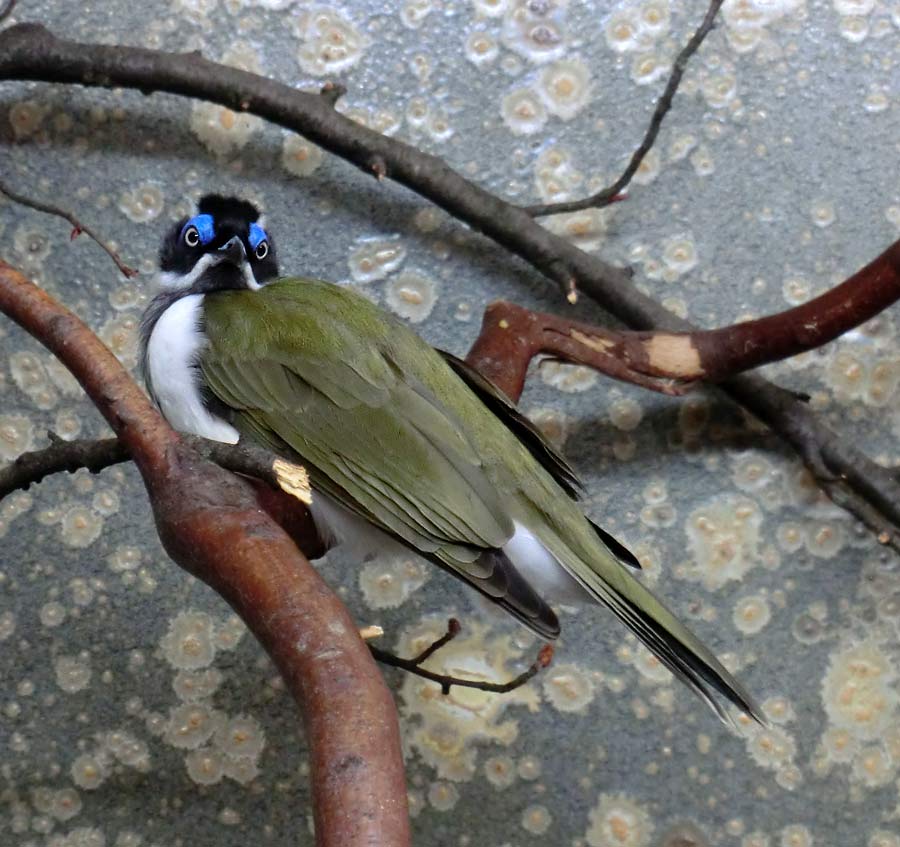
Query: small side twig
x,y
414,665
331,92
77,226
612,193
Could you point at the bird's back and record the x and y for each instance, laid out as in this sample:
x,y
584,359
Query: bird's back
x,y
320,368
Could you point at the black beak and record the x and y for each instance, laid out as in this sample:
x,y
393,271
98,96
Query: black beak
x,y
233,251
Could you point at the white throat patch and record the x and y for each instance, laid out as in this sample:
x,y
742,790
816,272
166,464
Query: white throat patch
x,y
172,281
172,352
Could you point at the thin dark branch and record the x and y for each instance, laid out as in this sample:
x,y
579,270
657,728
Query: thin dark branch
x,y
612,193
414,665
453,629
7,9
77,226
69,456
60,457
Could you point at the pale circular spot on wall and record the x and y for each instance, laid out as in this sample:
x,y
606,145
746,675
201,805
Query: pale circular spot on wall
x,y
241,736
523,111
500,771
568,688
387,583
529,768
26,117
567,378
619,820
723,536
751,614
52,614
194,686
329,41
188,643
626,414
648,68
622,30
81,527
222,131
192,724
16,436
374,258
143,203
536,30
565,87
481,47
536,819
204,766
858,692
411,295
299,156
443,796
822,213
73,673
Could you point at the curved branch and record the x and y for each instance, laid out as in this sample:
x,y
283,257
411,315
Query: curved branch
x,y
672,362
211,523
612,193
29,51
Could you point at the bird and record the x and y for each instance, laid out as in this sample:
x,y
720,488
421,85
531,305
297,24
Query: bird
x,y
407,447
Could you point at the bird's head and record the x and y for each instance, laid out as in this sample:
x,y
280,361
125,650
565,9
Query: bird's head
x,y
223,246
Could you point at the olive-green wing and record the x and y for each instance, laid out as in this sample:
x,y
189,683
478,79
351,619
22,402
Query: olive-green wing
x,y
531,437
373,436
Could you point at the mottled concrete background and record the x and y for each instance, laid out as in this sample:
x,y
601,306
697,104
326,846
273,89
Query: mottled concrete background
x,y
134,711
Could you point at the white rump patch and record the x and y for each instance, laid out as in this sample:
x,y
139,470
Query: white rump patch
x,y
542,569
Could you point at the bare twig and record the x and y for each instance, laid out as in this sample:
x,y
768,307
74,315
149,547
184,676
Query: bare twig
x,y
612,193
211,523
77,226
414,665
453,629
60,457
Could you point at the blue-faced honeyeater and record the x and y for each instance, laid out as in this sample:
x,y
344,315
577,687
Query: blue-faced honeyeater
x,y
405,445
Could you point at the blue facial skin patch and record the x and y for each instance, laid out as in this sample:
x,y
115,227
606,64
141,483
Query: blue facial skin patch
x,y
257,235
204,225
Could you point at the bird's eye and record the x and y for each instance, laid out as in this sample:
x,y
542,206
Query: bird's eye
x,y
192,236
262,249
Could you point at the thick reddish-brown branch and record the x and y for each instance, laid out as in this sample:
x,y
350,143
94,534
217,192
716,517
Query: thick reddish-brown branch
x,y
211,523
670,362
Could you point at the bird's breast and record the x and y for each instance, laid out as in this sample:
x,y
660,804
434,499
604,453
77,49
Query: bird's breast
x,y
173,351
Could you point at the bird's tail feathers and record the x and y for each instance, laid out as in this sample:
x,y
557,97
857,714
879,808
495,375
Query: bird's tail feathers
x,y
669,640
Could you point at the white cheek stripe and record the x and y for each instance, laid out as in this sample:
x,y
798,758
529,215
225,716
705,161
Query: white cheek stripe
x,y
172,281
172,352
175,281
